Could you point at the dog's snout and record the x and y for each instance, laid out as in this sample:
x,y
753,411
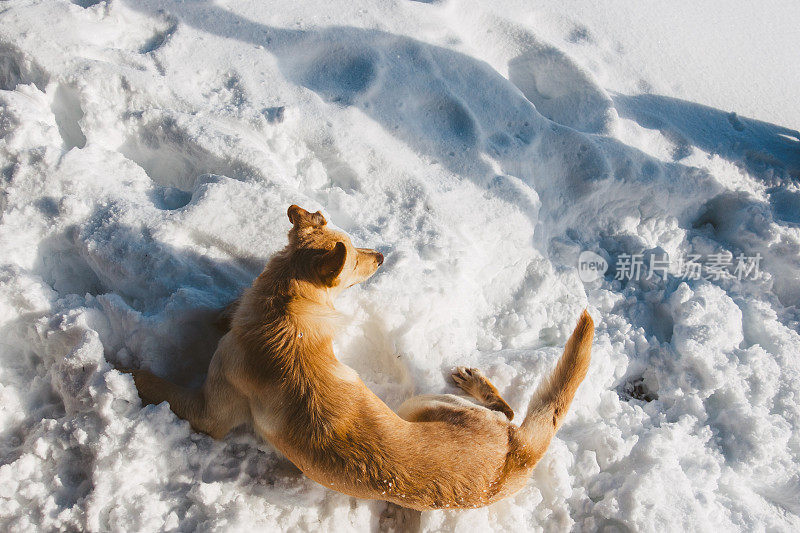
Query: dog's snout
x,y
380,258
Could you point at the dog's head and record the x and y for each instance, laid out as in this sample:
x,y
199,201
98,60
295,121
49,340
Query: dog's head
x,y
325,256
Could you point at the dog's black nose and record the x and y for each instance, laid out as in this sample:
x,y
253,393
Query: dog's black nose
x,y
380,259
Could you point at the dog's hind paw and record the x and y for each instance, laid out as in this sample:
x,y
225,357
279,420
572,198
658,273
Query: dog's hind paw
x,y
473,382
469,380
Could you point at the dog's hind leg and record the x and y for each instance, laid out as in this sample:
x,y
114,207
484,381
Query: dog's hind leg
x,y
473,382
420,407
214,409
445,408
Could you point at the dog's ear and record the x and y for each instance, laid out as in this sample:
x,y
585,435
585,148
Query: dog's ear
x,y
330,265
300,217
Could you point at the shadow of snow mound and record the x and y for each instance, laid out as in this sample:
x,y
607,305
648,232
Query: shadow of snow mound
x,y
62,266
455,110
561,90
67,110
132,263
160,37
171,151
415,90
15,68
155,300
745,224
765,150
342,73
86,3
785,204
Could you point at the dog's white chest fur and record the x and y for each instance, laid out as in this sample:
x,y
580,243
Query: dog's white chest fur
x,y
345,373
269,415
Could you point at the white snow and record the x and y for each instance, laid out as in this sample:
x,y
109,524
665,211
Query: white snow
x,y
148,153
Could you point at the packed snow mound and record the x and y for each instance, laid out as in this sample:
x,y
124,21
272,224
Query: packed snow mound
x,y
148,153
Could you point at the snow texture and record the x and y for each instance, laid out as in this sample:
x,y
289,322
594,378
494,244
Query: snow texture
x,y
149,150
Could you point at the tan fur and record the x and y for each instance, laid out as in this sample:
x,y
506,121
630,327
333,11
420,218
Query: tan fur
x,y
276,369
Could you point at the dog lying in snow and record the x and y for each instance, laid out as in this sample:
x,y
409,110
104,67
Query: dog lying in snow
x,y
276,370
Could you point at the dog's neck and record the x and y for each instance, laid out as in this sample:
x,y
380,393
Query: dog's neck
x,y
288,312
284,283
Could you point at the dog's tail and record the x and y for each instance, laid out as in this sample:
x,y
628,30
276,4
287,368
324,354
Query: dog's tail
x,y
552,398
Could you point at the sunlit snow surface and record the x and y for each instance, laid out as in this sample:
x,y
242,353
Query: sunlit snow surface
x,y
148,153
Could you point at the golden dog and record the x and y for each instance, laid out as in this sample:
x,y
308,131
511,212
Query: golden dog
x,y
276,370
